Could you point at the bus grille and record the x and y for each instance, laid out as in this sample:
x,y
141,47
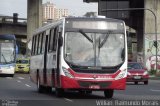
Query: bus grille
x,y
103,71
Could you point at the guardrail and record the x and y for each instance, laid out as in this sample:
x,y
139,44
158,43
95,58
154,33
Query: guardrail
x,y
14,20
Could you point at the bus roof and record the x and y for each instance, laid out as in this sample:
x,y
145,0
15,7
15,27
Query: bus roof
x,y
46,27
7,37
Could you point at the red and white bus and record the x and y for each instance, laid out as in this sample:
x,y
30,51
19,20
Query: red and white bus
x,y
84,54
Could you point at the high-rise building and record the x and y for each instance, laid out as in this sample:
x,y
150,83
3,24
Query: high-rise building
x,y
50,12
59,13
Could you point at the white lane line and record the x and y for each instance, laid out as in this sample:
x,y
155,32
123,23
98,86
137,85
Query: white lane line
x,y
68,100
21,78
9,77
27,85
18,81
155,90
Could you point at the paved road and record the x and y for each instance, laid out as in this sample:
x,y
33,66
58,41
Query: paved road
x,y
22,92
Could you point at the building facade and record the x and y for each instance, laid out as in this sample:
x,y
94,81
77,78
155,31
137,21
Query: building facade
x,y
48,11
51,12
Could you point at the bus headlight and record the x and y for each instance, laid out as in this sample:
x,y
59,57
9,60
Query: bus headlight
x,y
67,73
121,75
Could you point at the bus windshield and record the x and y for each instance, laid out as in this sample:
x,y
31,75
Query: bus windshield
x,y
7,52
96,49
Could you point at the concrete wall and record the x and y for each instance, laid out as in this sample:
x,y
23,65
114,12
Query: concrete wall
x,y
149,31
149,20
16,29
34,16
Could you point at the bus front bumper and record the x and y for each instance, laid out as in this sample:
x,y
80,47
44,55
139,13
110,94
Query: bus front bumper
x,y
72,83
7,71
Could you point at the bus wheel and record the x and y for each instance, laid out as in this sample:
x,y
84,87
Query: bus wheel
x,y
49,89
59,92
40,88
11,75
108,93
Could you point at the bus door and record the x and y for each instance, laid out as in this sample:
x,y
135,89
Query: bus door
x,y
45,61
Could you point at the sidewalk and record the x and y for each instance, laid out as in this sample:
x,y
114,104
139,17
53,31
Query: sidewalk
x,y
152,77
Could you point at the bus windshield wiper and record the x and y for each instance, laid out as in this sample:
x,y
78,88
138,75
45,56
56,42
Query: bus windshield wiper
x,y
86,36
4,58
104,40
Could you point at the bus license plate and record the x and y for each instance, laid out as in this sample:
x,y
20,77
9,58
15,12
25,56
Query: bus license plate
x,y
137,77
94,87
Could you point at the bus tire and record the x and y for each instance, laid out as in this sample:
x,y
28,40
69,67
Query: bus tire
x,y
40,88
11,75
59,92
49,89
108,93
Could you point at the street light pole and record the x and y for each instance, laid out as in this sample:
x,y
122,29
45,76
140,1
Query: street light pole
x,y
134,9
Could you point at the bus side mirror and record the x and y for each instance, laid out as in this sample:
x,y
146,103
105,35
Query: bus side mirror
x,y
60,40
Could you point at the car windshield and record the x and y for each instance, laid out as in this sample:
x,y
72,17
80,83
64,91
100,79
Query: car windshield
x,y
7,52
134,66
94,49
22,61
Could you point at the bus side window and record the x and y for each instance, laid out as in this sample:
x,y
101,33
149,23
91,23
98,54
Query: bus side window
x,y
55,38
37,44
42,37
51,40
32,46
36,47
34,51
43,43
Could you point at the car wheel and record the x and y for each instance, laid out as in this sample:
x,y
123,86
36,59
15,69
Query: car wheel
x,y
146,82
136,82
108,93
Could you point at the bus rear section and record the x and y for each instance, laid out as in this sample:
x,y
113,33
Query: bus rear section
x,y
91,55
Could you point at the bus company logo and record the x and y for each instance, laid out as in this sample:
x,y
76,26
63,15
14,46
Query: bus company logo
x,y
101,77
95,76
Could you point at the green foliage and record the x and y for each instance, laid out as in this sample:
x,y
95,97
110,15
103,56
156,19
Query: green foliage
x,y
152,72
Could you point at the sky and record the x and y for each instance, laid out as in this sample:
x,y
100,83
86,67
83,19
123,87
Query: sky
x,y
75,7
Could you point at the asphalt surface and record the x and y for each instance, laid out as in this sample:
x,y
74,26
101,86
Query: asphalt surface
x,y
20,91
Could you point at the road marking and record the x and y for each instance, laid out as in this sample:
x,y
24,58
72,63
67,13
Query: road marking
x,y
68,100
18,81
155,90
9,77
21,78
27,85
